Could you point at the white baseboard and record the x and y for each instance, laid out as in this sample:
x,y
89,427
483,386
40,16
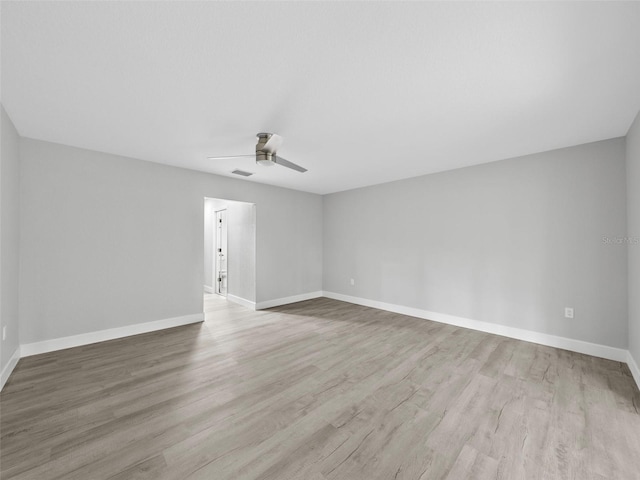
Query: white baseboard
x,y
208,289
103,335
633,366
579,346
241,301
276,302
8,368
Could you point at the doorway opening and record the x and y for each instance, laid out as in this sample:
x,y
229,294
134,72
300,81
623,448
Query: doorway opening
x,y
229,252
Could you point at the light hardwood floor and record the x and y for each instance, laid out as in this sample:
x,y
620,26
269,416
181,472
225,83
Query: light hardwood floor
x,y
319,390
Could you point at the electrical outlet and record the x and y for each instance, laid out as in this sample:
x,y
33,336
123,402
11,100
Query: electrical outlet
x,y
352,282
4,332
568,312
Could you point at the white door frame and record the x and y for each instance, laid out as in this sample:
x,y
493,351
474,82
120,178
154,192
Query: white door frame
x,y
220,254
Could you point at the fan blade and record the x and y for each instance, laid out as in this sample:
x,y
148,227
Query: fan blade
x,y
272,145
288,164
231,156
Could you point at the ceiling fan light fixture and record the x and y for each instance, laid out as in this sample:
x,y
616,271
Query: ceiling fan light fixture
x,y
268,144
263,158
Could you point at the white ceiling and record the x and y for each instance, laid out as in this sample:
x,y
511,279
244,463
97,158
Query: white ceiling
x,y
362,93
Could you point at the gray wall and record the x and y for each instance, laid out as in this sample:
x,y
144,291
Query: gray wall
x,y
241,247
209,242
633,216
9,237
510,242
109,241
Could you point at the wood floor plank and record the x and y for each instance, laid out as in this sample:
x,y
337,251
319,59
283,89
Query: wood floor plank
x,y
318,390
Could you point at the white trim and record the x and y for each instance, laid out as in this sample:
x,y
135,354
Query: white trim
x,y
241,301
8,368
208,289
594,349
276,302
633,366
109,334
603,351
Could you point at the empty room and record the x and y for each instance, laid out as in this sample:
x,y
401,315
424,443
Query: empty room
x,y
320,240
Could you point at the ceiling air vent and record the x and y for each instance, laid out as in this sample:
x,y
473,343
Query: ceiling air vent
x,y
242,173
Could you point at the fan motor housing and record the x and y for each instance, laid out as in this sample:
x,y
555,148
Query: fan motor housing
x,y
262,157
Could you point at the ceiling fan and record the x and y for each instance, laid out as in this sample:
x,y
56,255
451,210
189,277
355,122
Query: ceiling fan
x,y
268,144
